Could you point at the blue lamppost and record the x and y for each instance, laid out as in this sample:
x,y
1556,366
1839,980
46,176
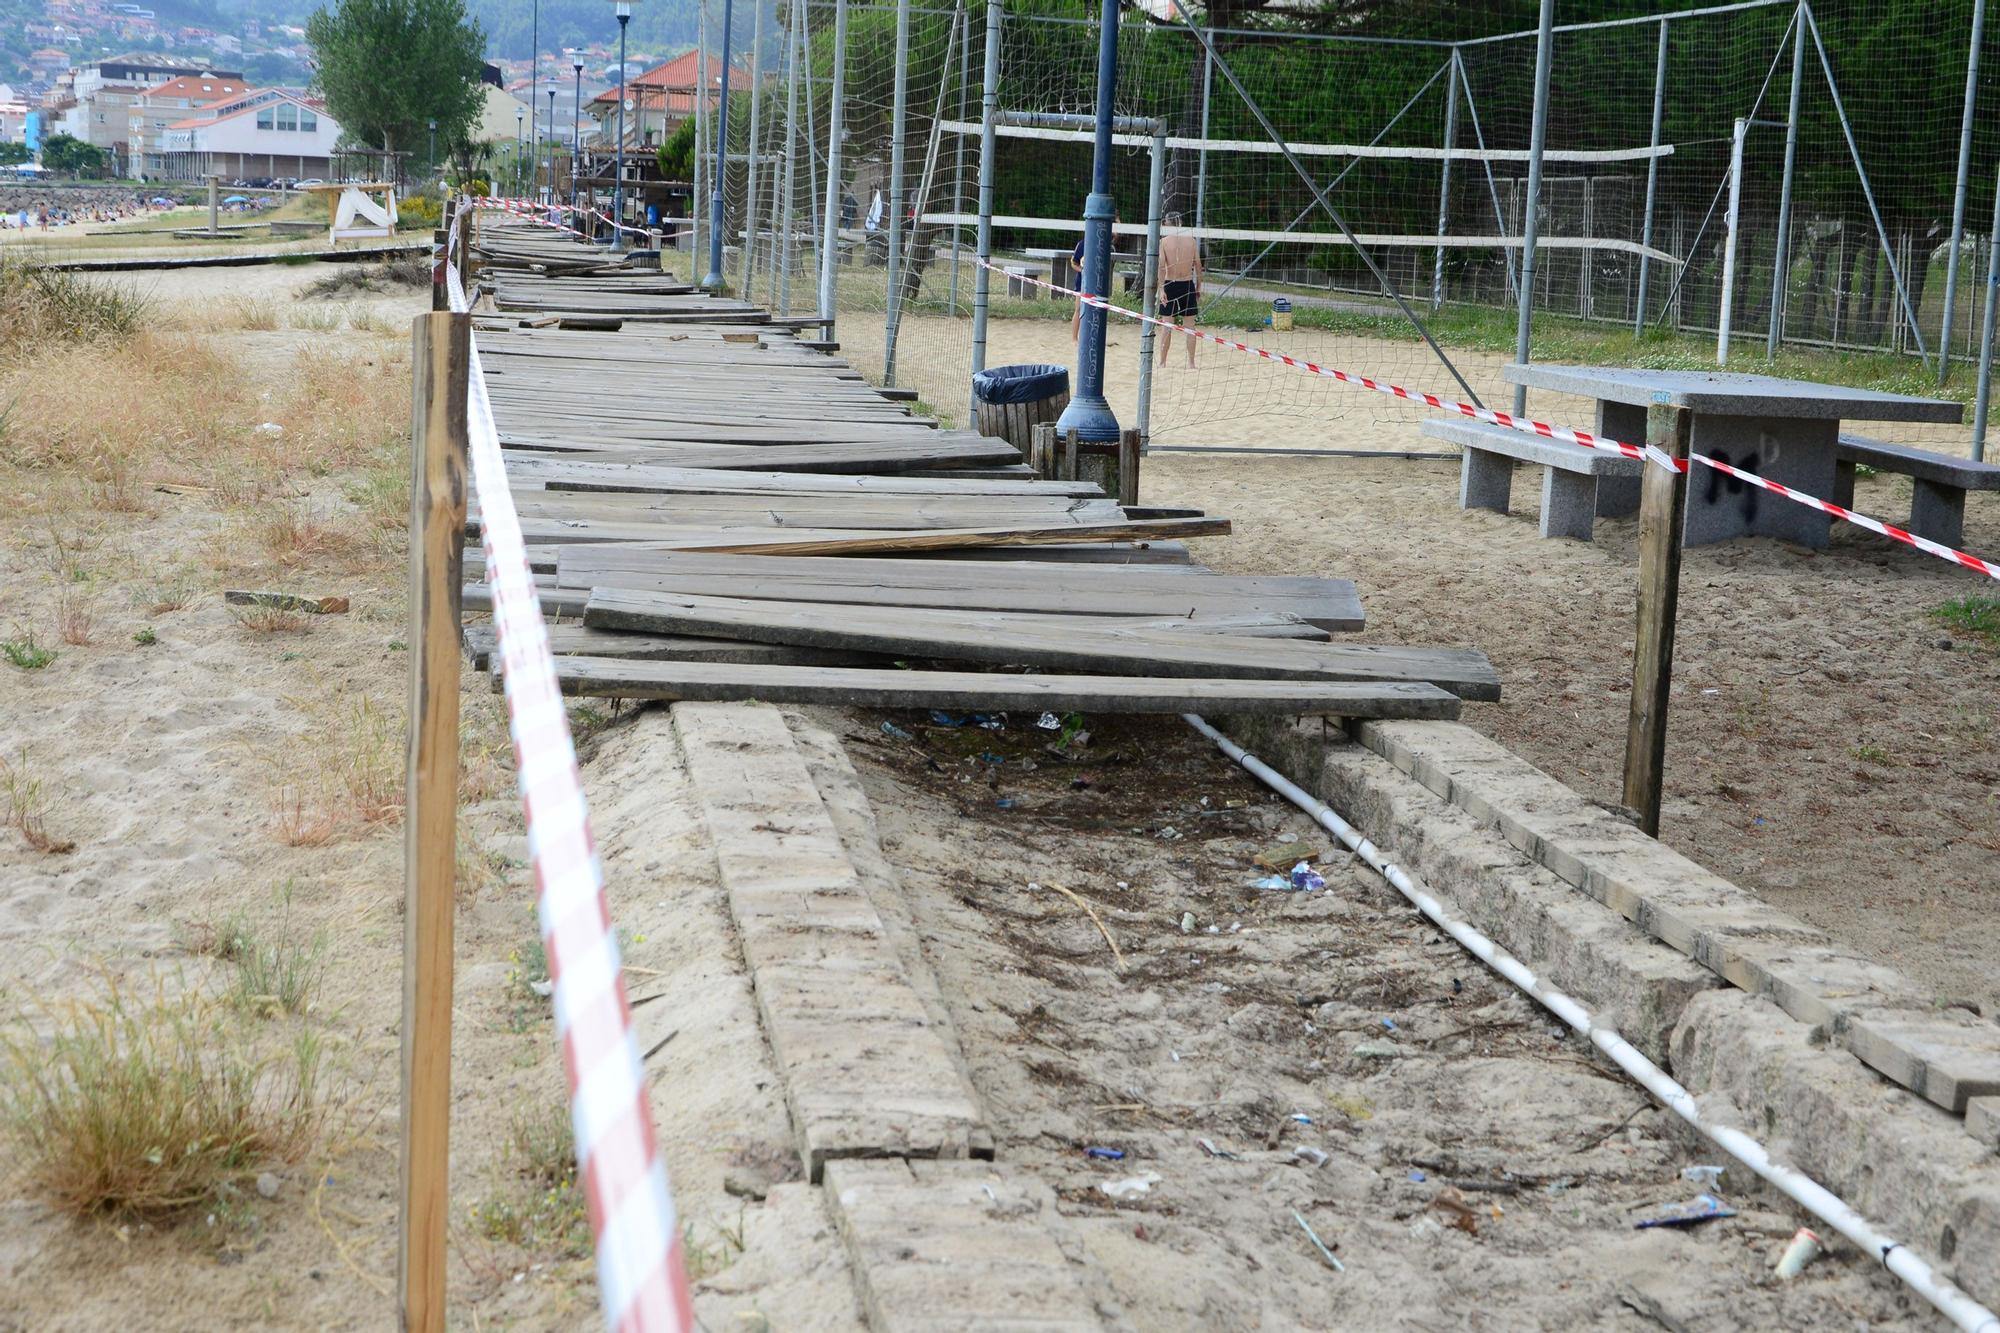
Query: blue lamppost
x,y
575,135
520,143
1088,414
714,279
552,141
618,181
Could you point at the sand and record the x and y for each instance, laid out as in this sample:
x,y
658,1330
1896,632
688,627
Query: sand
x,y
1832,743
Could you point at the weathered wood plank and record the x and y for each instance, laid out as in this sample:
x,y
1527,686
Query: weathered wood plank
x,y
856,687
1058,644
765,541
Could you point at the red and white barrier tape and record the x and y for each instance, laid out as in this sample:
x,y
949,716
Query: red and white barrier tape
x,y
1560,434
642,1280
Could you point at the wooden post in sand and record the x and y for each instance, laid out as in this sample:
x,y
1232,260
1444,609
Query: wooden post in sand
x,y
1662,511
440,364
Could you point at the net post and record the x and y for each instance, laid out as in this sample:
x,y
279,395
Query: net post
x,y
439,479
898,125
829,251
1444,179
750,219
1530,222
695,246
982,277
1987,332
1784,240
1964,178
1149,275
1652,179
1662,512
1732,233
794,44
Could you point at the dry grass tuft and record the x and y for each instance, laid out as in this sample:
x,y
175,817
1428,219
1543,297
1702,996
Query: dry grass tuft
x,y
41,306
28,803
368,757
149,1105
254,313
76,615
280,975
295,534
271,620
303,820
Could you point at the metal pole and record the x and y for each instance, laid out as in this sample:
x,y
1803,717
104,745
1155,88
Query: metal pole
x,y
535,67
1444,180
1867,190
1730,237
551,128
898,122
1201,159
1784,253
793,45
618,178
1531,222
1652,179
958,153
576,137
829,249
1088,414
750,218
811,132
714,279
1150,275
1964,176
700,173
1986,335
982,276
1492,189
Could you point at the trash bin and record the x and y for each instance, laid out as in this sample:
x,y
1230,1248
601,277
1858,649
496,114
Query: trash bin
x,y
1281,314
1013,400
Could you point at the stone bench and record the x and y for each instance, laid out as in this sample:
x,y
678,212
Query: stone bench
x,y
1018,285
1577,484
1938,482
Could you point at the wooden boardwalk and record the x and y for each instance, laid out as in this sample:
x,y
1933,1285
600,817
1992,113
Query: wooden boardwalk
x,y
732,514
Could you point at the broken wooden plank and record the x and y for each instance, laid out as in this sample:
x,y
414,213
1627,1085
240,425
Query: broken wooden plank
x,y
833,541
1330,604
995,691
581,641
1021,641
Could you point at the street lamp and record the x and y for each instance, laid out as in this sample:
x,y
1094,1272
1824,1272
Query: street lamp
x,y
714,279
534,70
618,181
1088,414
552,140
432,160
519,139
575,130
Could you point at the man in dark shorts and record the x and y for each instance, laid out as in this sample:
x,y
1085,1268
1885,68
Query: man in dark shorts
x,y
1180,285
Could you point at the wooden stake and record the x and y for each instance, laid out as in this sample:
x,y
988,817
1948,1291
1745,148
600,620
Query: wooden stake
x,y
1042,449
440,363
1066,468
1662,512
1128,467
440,243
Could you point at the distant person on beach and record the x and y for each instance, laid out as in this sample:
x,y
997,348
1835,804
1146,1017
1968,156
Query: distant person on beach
x,y
1180,285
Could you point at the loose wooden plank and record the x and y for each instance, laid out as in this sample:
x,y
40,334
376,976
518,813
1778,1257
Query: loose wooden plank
x,y
1330,604
829,513
747,541
608,678
581,641
989,637
559,474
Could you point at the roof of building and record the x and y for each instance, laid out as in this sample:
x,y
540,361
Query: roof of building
x,y
198,89
263,97
676,75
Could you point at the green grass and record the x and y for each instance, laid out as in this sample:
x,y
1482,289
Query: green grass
x,y
1975,617
25,653
279,975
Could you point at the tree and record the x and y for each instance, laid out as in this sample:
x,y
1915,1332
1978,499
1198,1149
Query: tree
x,y
389,67
677,153
13,154
71,156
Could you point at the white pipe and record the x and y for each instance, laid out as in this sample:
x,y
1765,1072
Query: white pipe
x,y
1815,1198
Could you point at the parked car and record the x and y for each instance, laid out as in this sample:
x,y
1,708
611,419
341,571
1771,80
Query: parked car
x,y
309,182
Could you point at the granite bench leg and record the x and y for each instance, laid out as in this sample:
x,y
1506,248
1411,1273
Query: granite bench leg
x,y
1937,512
1484,480
1569,503
1843,483
1617,497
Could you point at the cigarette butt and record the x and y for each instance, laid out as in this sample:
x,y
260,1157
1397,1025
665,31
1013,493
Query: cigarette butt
x,y
1805,1248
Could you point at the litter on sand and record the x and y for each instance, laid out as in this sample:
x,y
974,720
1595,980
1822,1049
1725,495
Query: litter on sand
x,y
1105,1154
896,733
1310,1156
1285,854
1318,1244
1131,1187
1701,1208
1805,1248
1208,1146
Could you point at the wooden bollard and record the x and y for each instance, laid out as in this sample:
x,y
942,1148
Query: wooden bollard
x,y
1042,449
1129,442
440,362
1662,512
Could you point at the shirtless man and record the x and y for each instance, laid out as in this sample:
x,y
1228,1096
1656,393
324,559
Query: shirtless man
x,y
1180,285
